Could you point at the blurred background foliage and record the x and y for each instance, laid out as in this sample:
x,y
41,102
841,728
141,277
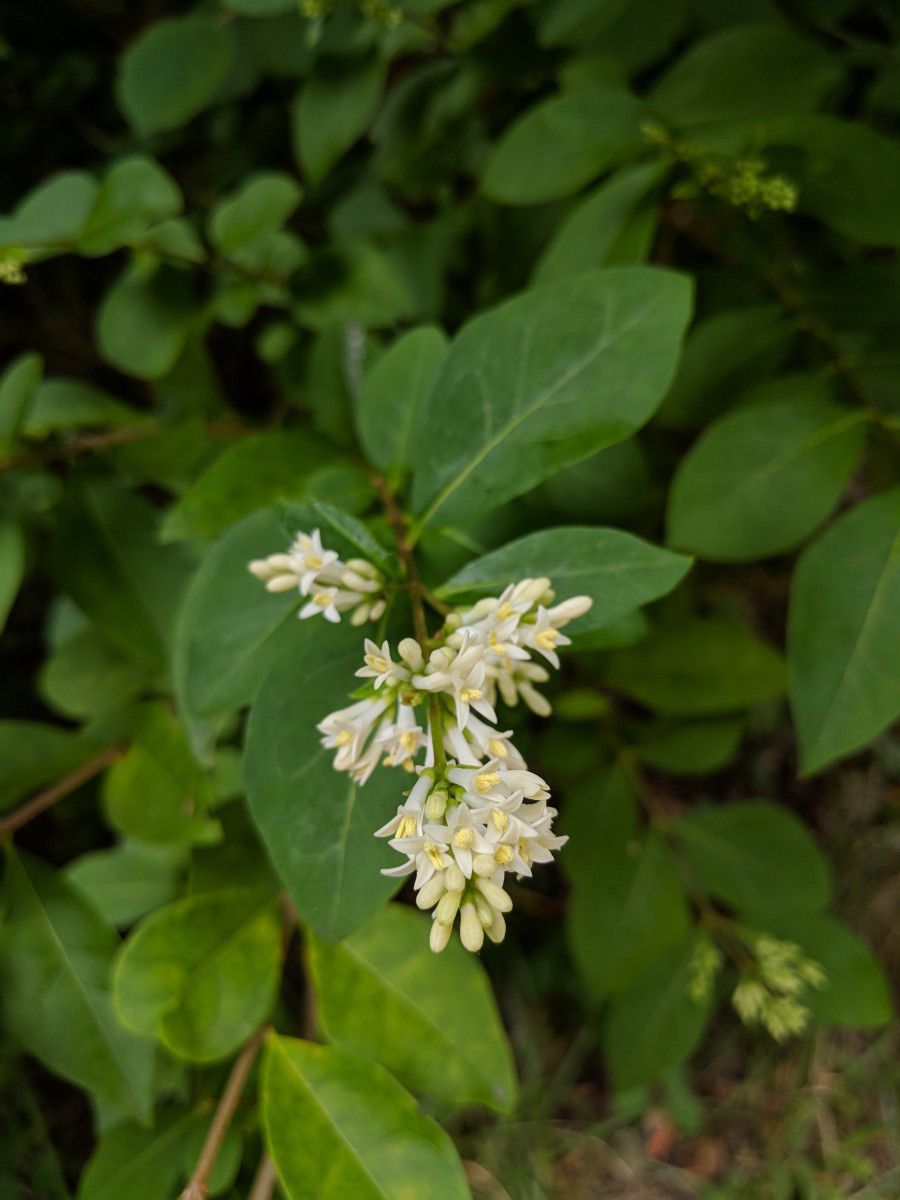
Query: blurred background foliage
x,y
219,217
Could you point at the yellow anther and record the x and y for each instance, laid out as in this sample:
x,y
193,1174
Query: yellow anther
x,y
498,748
314,562
407,826
525,852
499,820
463,839
408,741
343,738
322,599
486,780
547,638
504,611
377,663
497,646
433,850
504,855
468,695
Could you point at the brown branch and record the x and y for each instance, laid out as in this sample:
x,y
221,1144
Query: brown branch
x,y
404,550
264,1180
198,1185
44,800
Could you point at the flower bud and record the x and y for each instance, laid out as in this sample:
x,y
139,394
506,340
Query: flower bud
x,y
430,892
439,937
281,583
377,609
454,880
471,931
436,805
484,864
494,894
360,614
496,931
411,653
448,907
440,659
484,910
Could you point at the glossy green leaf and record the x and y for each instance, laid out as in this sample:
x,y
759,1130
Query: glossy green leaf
x,y
18,387
135,194
747,72
430,1020
619,571
585,239
173,71
106,556
655,1023
562,143
202,973
754,853
690,749
334,109
251,474
52,215
260,206
231,631
156,792
699,667
134,1162
12,565
340,531
57,952
544,380
394,395
32,753
628,902
843,633
317,824
145,320
89,675
127,881
363,1136
761,479
63,404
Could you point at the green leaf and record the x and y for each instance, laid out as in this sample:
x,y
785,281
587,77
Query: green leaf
x,y
394,395
855,993
754,853
562,143
135,193
127,881
334,109
12,565
133,1162
57,952
315,821
619,571
105,554
761,479
231,631
655,1024
18,387
145,320
339,530
173,71
430,1020
53,214
747,72
724,354
363,1136
202,973
848,176
63,404
251,474
700,667
543,380
587,236
628,903
260,206
158,764
89,675
843,634
32,753
694,749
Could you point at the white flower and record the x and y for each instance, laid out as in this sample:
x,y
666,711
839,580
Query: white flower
x,y
544,636
407,821
323,601
402,739
380,666
463,836
311,560
463,677
424,856
348,729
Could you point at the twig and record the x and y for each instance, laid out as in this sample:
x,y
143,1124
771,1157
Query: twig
x,y
264,1180
44,800
417,590
198,1185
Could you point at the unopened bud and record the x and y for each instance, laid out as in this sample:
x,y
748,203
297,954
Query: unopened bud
x,y
411,653
494,894
496,931
471,931
454,880
430,892
484,910
483,864
448,907
436,805
439,937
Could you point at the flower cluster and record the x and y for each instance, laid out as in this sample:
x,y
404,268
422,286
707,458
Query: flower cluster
x,y
771,995
333,587
475,812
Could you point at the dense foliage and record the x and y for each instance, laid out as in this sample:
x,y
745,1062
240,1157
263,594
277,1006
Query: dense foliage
x,y
601,292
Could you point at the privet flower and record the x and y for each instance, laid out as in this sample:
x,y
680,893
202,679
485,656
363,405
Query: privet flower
x,y
475,813
770,993
332,587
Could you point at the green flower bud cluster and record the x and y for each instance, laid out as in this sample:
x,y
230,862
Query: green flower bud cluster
x,y
770,993
703,968
11,268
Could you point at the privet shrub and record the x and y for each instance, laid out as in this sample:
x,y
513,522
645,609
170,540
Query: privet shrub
x,y
494,338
